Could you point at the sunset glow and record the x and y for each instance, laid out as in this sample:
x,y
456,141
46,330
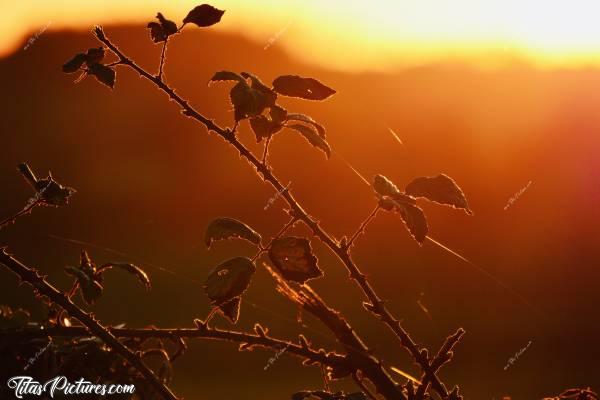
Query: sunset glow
x,y
360,34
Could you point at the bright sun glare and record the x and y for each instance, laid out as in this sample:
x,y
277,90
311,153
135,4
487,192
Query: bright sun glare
x,y
353,34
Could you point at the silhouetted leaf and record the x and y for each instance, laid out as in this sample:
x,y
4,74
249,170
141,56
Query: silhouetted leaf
x,y
53,193
225,228
247,102
229,280
304,88
204,15
263,127
294,259
74,63
104,74
231,309
308,120
225,76
139,273
384,187
161,30
256,83
415,220
440,189
94,55
313,137
90,288
278,114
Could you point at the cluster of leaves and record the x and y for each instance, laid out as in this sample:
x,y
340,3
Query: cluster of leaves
x,y
89,277
292,256
47,190
90,63
203,16
440,189
84,357
255,101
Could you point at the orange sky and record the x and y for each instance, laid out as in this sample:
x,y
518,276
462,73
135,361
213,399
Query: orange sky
x,y
353,34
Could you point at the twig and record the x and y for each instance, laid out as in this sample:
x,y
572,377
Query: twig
x,y
266,150
40,286
376,305
361,228
30,206
330,359
162,59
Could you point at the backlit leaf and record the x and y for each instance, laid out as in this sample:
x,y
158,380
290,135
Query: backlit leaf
x,y
74,63
308,120
104,74
440,189
313,137
263,127
94,55
204,15
231,309
384,187
139,273
90,288
304,88
225,76
229,280
415,220
294,259
247,102
225,228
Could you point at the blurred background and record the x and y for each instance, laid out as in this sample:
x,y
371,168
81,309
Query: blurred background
x,y
502,96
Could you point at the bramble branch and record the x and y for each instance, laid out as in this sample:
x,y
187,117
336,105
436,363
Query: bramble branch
x,y
375,305
41,287
246,340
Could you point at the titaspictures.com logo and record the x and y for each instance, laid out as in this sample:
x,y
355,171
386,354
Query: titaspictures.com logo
x,y
26,385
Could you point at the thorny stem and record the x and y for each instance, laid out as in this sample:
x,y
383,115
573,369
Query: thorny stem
x,y
30,206
162,59
376,305
361,228
359,382
266,150
41,287
322,357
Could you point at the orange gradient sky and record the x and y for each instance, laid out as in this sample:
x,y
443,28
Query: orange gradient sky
x,y
356,35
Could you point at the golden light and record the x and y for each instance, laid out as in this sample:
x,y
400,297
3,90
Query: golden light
x,y
353,34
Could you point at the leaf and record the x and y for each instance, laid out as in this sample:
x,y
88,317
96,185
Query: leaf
x,y
231,309
229,279
278,114
53,193
313,137
139,273
304,88
263,127
384,187
204,15
225,76
94,55
247,102
308,120
225,228
256,83
440,189
104,74
161,30
415,220
294,259
90,288
74,63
